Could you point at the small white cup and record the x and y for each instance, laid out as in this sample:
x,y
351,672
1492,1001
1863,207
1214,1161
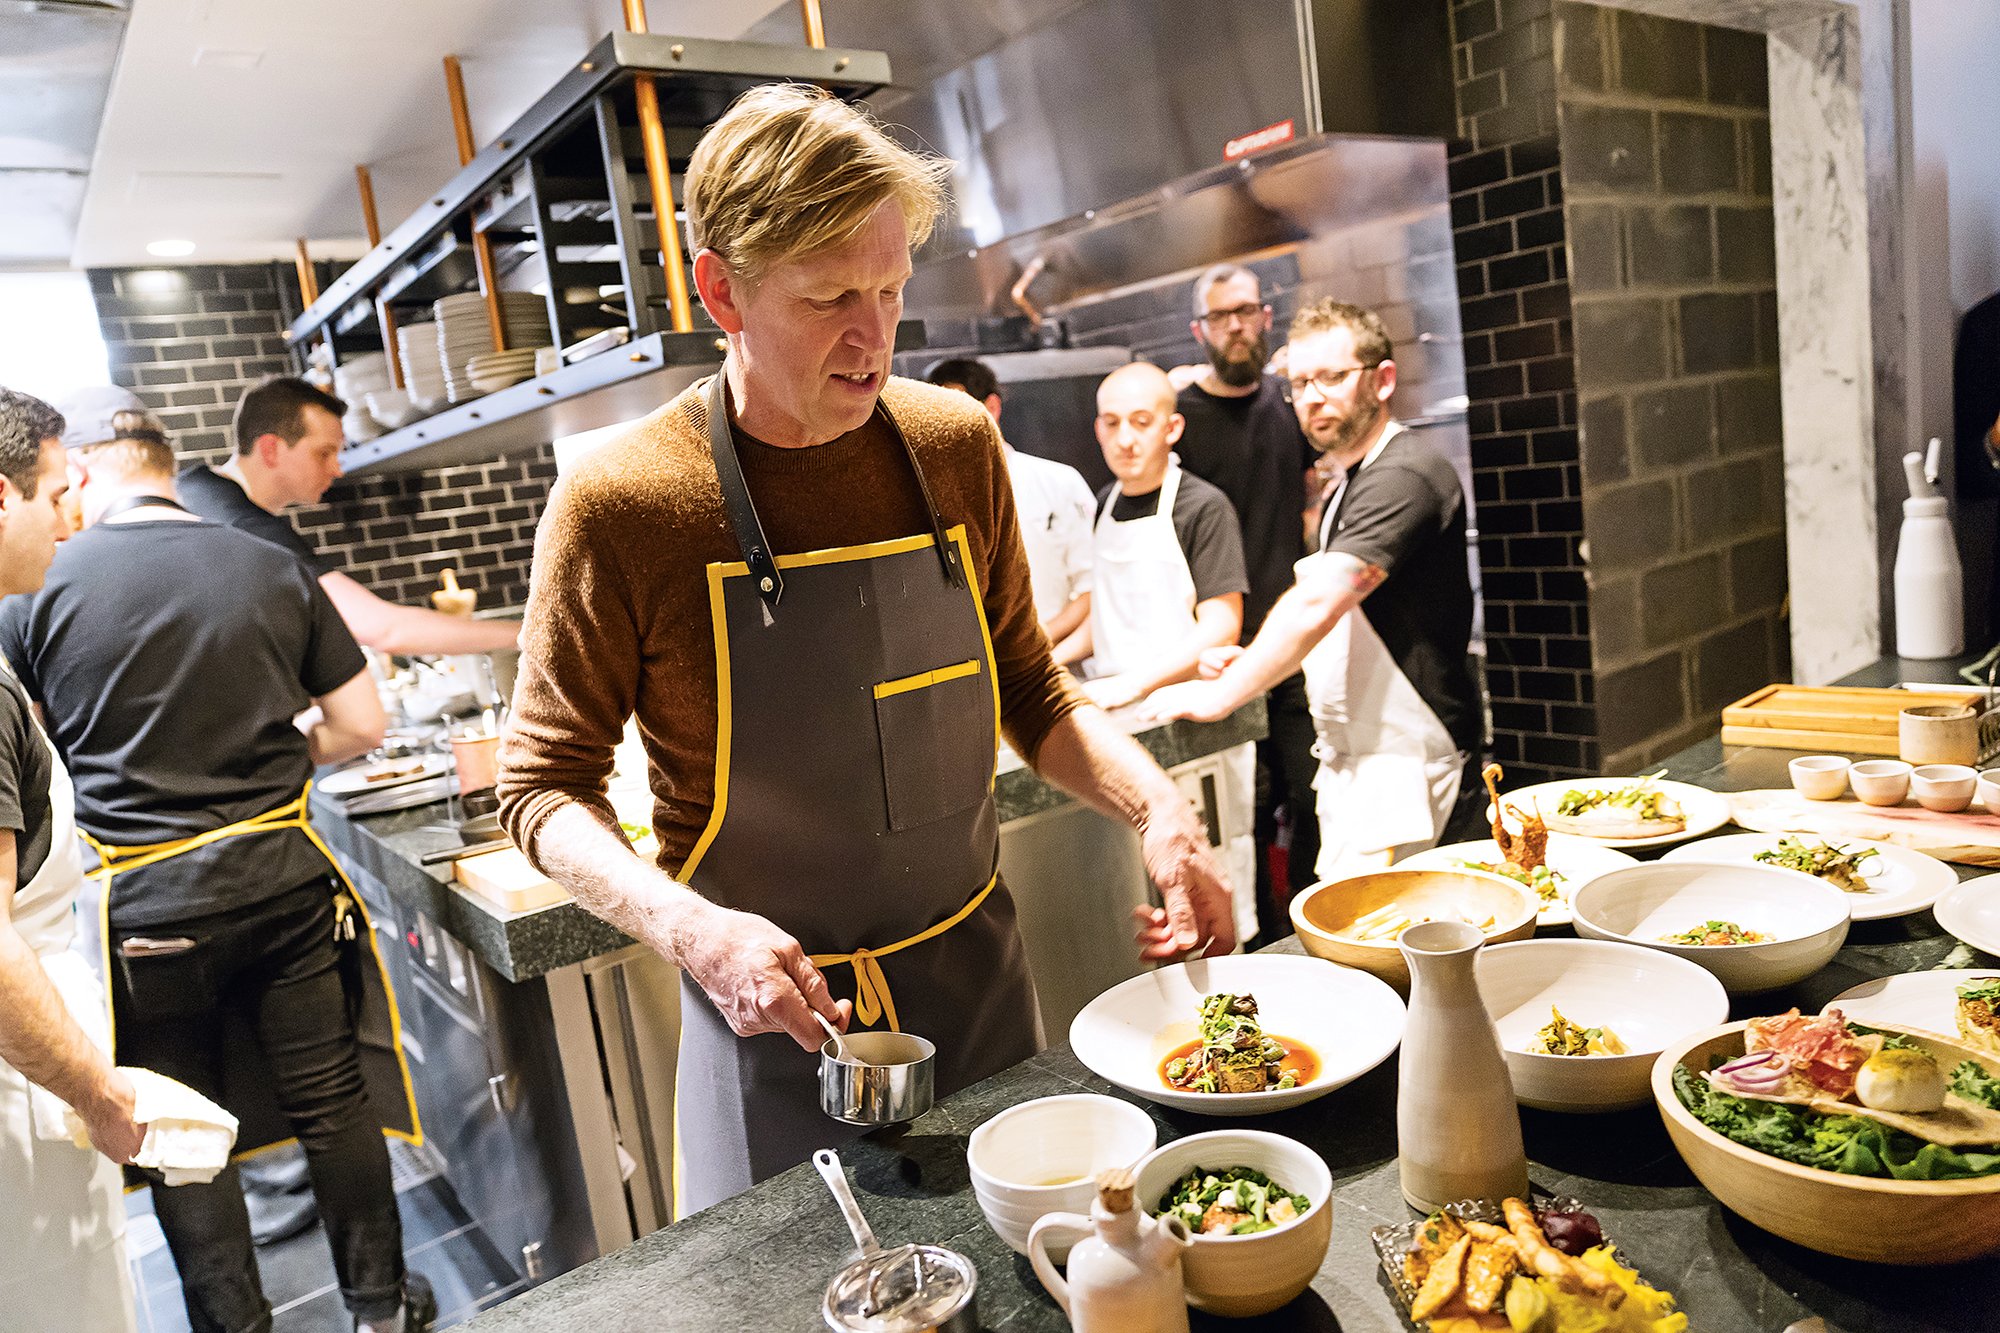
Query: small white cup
x,y
1039,1158
1820,777
1987,793
1880,781
1945,788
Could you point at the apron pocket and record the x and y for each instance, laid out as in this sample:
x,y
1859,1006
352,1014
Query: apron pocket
x,y
937,743
167,985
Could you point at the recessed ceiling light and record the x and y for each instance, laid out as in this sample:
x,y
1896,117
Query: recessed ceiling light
x,y
170,249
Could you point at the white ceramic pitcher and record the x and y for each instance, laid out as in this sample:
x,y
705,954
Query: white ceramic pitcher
x,y
1124,1278
1458,1129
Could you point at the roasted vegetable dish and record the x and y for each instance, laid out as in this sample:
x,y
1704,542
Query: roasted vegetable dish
x,y
1562,1037
1234,1201
1834,864
1235,1054
1717,932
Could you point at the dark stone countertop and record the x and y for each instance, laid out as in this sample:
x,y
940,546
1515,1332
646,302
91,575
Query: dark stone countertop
x,y
523,945
762,1259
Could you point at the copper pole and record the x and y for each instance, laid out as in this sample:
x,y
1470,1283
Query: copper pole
x,y
308,280
482,249
383,314
815,25
653,136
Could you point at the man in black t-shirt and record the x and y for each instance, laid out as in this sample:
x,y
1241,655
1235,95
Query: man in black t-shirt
x,y
1164,587
170,656
1380,618
288,442
1243,436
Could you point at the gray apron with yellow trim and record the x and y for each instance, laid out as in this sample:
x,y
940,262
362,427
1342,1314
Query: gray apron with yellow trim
x,y
854,809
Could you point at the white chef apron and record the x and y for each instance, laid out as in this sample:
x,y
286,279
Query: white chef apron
x,y
1142,593
62,1214
1388,770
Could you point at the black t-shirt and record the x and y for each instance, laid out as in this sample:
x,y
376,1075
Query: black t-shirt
x,y
25,773
1206,527
1405,511
1252,448
219,499
169,659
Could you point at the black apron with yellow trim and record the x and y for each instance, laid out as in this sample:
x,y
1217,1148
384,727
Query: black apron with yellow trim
x,y
858,725
246,1082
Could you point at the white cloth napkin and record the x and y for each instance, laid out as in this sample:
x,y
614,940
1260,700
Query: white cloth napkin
x,y
188,1137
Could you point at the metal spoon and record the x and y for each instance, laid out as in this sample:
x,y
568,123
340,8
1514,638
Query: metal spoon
x,y
839,1042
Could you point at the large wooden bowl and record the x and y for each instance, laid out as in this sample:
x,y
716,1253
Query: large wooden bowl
x,y
1856,1217
1322,911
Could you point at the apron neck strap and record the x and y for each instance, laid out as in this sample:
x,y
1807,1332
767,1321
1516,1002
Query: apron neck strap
x,y
750,539
1170,489
127,504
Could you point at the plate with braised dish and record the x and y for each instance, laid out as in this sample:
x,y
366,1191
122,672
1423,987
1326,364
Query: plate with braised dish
x,y
1623,812
1554,865
1881,879
1239,1035
1518,1268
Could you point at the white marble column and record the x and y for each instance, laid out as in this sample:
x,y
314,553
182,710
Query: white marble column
x,y
1820,194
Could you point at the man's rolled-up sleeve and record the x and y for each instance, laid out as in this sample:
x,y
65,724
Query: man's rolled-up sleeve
x,y
579,670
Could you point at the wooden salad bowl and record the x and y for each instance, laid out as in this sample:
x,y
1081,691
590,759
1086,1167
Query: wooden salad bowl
x,y
1321,912
1883,1221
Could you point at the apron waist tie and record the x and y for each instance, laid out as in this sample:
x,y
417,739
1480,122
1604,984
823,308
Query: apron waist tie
x,y
872,1000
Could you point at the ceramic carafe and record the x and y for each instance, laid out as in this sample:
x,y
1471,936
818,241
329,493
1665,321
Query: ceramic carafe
x,y
1458,1131
1125,1277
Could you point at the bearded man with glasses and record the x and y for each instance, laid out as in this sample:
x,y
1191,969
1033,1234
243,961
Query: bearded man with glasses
x,y
1242,438
1380,617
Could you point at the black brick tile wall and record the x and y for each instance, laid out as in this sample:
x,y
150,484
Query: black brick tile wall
x,y
1514,278
1665,135
191,340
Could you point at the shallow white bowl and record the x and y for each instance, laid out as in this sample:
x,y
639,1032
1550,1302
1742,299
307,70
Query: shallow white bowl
x,y
1239,1276
1648,999
1040,1157
1805,917
1351,1020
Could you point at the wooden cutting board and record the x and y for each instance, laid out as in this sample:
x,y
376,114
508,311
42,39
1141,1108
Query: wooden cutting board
x,y
1840,718
505,879
1972,838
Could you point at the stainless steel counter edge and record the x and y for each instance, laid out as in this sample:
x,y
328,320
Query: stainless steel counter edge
x,y
523,945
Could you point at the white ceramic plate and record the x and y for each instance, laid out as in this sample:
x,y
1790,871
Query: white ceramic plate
x,y
1926,1000
1706,811
1351,1021
1577,860
1972,912
348,781
1900,881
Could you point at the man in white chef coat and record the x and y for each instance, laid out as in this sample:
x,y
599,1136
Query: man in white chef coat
x,y
1380,617
62,1222
1053,502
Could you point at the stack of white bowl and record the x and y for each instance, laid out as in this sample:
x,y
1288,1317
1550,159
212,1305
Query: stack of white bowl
x,y
491,371
353,380
423,368
464,332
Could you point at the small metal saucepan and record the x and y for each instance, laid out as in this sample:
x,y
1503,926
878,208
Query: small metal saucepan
x,y
886,1079
909,1289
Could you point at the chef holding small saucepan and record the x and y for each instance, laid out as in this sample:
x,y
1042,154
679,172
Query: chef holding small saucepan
x,y
805,580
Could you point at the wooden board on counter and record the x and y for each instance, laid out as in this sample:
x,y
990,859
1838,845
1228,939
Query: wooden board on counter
x,y
1971,838
505,879
1843,718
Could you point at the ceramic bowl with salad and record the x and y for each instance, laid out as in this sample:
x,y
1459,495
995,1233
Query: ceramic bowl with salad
x,y
1854,1141
1880,879
1259,1207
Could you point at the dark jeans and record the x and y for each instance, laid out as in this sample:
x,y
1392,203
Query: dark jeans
x,y
275,968
1286,766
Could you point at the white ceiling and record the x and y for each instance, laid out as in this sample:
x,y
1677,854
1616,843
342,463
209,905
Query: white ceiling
x,y
237,124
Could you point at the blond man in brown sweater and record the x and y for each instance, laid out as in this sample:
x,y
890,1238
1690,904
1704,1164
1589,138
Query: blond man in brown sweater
x,y
806,581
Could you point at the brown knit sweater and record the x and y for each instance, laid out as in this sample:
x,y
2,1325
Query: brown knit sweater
x,y
618,614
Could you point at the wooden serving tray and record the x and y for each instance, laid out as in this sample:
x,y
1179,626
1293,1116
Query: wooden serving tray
x,y
1843,718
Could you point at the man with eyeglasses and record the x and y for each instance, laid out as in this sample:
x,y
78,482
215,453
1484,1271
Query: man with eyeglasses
x,y
1380,617
1242,437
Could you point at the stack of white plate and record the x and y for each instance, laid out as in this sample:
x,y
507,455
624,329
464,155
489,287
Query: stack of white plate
x,y
353,380
491,371
464,332
423,369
